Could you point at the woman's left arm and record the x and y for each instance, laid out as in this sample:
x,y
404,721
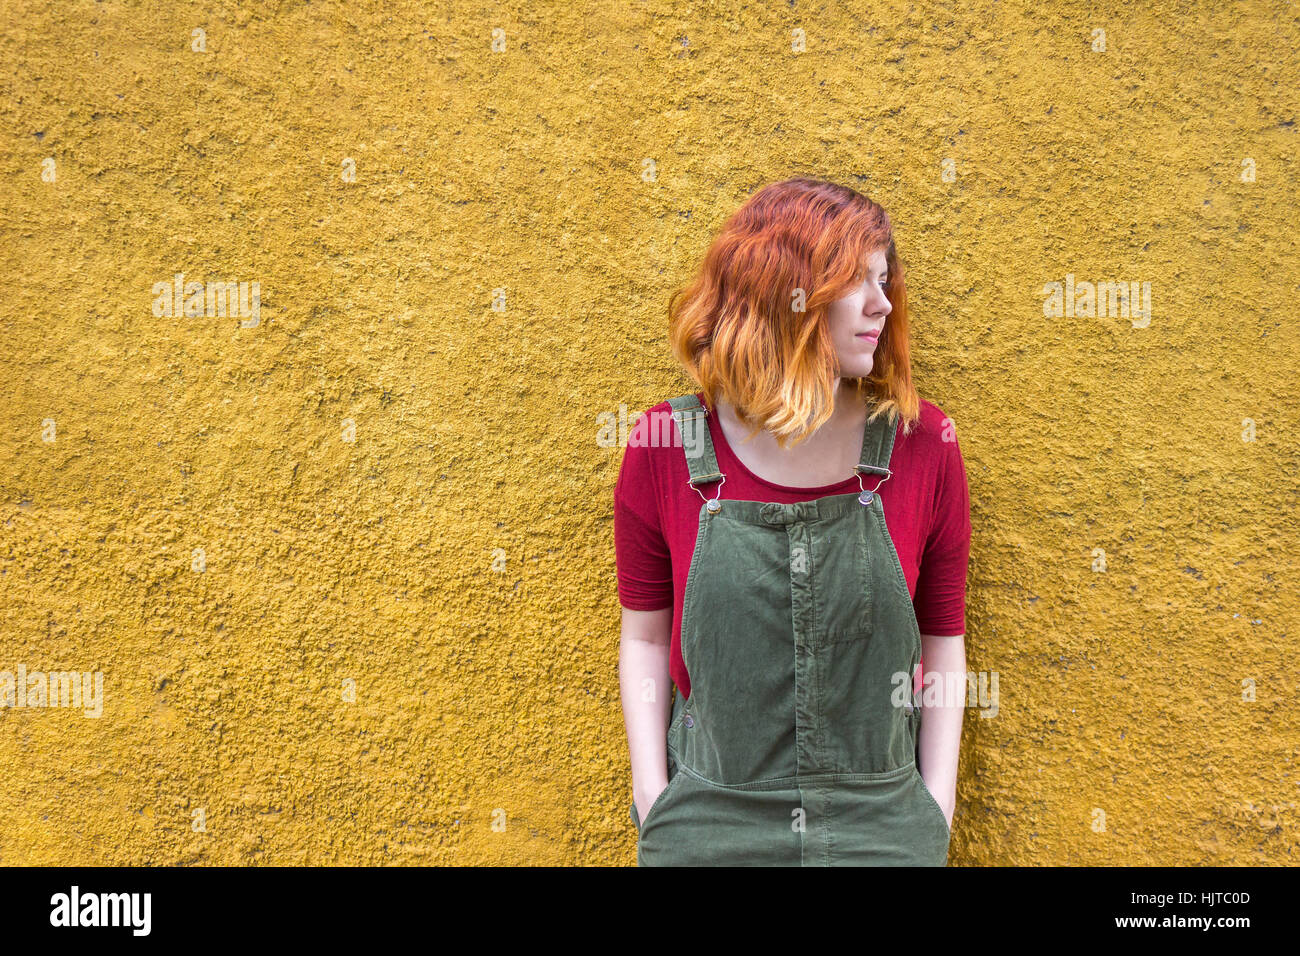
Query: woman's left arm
x,y
941,604
941,607
939,742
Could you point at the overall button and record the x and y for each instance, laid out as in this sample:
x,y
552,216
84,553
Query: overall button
x,y
689,721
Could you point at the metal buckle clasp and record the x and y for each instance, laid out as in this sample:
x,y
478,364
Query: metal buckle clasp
x,y
714,505
867,496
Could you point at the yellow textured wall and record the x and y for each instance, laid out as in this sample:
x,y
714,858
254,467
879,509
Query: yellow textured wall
x,y
455,560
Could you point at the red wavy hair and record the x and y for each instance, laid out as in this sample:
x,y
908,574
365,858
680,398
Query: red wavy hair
x,y
735,328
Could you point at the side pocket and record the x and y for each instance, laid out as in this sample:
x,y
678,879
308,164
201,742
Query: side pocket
x,y
673,774
680,709
933,802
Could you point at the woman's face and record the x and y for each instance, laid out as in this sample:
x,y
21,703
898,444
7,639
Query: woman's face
x,y
858,319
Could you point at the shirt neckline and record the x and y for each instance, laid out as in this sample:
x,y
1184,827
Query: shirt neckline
x,y
720,443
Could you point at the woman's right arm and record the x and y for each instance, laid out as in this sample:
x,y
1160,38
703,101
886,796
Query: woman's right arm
x,y
645,581
646,691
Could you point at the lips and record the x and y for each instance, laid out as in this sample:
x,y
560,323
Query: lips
x,y
871,337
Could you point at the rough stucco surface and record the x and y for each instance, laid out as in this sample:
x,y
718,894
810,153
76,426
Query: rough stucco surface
x,y
456,559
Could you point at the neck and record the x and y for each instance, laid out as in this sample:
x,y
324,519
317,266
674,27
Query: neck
x,y
848,403
848,409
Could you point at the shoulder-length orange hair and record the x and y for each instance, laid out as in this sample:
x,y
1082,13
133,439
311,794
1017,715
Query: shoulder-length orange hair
x,y
752,325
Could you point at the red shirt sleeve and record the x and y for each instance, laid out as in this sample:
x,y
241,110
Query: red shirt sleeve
x,y
641,556
940,599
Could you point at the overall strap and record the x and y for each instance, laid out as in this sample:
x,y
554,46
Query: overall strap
x,y
877,446
697,443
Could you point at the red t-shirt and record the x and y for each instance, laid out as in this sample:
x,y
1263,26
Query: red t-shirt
x,y
656,517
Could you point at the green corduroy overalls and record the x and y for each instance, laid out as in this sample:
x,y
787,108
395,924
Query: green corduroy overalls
x,y
797,745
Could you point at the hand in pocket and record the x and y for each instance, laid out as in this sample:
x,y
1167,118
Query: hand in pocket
x,y
646,799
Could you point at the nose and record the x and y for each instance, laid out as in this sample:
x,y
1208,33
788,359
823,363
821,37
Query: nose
x,y
877,303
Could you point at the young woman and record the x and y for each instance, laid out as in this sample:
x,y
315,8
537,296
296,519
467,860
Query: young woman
x,y
790,540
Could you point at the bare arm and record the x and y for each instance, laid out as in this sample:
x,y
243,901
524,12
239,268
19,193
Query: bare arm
x,y
646,690
940,737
